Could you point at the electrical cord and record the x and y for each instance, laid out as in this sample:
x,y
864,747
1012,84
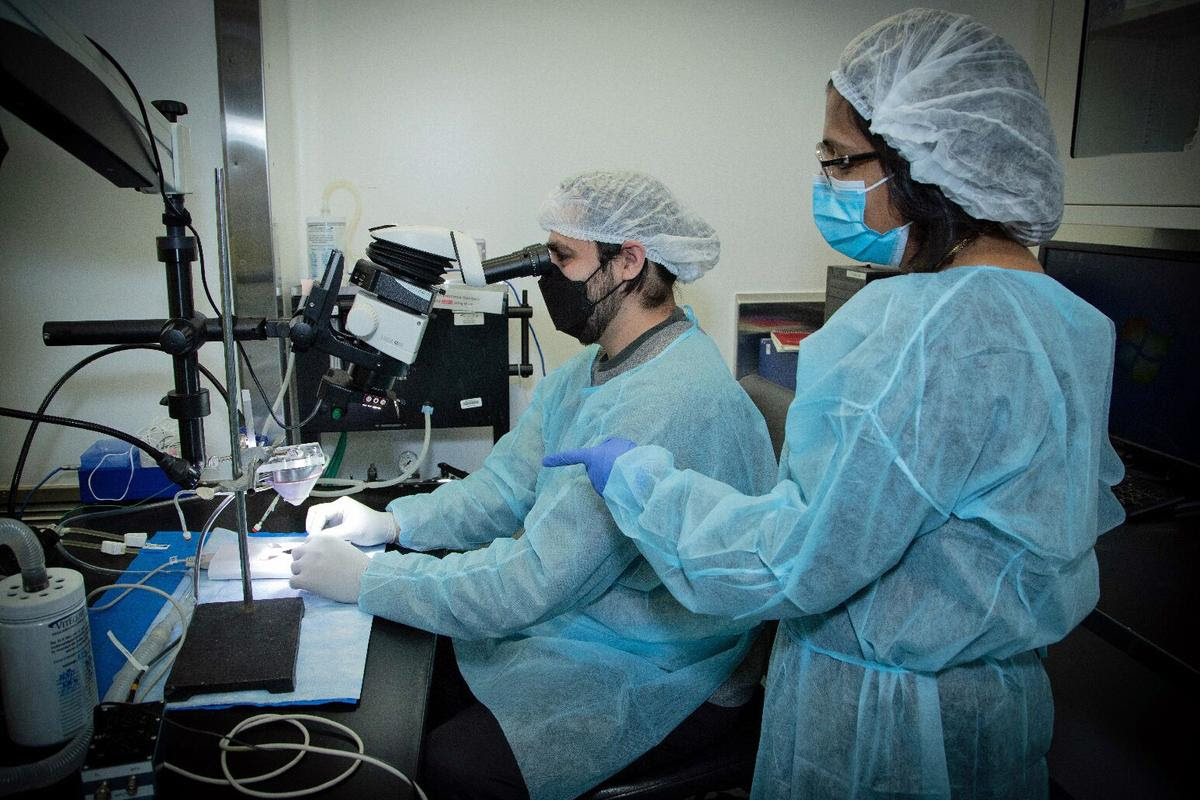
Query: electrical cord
x,y
284,385
168,207
79,562
175,468
128,483
201,493
144,669
227,746
202,538
146,447
146,688
356,486
95,534
136,683
178,640
536,341
177,724
172,210
50,395
271,405
150,574
183,619
29,495
140,505
165,657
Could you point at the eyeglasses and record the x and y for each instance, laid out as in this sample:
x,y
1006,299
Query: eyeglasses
x,y
840,162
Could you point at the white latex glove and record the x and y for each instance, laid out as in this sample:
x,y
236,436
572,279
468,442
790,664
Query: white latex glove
x,y
348,519
328,566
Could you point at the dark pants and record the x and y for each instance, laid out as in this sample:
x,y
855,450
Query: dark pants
x,y
466,755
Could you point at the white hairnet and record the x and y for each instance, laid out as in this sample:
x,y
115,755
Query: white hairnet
x,y
614,206
961,106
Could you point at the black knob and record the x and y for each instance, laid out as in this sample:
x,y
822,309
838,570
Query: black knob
x,y
178,336
171,109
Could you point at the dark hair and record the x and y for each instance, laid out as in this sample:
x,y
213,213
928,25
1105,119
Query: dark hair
x,y
939,225
655,283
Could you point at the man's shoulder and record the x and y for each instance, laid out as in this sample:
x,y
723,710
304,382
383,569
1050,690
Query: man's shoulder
x,y
692,368
697,348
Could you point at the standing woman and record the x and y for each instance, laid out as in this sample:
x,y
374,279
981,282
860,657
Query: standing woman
x,y
947,467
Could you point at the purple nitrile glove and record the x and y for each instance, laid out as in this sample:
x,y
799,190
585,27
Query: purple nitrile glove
x,y
598,460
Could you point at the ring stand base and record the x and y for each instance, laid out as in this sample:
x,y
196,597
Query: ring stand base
x,y
232,647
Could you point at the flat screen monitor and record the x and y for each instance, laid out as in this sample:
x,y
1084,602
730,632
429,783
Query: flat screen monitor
x,y
1153,298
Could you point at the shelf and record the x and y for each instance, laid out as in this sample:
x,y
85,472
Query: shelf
x,y
759,313
1165,17
1170,217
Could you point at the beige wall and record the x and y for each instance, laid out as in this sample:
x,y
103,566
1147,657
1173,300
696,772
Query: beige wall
x,y
73,246
465,114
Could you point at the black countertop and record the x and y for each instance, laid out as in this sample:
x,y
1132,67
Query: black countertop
x,y
1148,591
389,717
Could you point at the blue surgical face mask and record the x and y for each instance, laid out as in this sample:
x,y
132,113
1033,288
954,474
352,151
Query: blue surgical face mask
x,y
838,210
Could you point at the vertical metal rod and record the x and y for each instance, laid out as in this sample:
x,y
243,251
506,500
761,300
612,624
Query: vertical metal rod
x,y
176,250
231,385
524,338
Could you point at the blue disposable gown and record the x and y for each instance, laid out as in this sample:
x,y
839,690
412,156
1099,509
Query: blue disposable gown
x,y
565,633
945,475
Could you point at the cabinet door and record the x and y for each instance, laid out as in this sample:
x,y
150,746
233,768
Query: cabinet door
x,y
1123,87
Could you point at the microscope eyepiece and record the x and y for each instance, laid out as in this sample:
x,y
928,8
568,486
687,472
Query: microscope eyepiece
x,y
533,260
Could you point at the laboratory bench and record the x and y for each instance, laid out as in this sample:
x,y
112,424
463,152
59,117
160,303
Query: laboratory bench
x,y
1127,680
1124,681
390,715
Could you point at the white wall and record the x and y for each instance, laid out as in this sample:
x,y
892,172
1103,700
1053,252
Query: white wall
x,y
467,113
451,113
77,247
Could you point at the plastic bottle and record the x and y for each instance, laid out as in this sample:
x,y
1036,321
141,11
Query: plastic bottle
x,y
325,233
47,677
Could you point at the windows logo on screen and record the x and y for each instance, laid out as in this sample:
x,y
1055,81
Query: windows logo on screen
x,y
1141,350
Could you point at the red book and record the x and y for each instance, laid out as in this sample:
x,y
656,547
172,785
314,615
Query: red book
x,y
786,341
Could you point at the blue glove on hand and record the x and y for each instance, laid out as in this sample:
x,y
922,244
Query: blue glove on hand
x,y
598,460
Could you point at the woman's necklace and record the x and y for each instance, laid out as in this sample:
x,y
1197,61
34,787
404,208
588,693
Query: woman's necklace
x,y
958,248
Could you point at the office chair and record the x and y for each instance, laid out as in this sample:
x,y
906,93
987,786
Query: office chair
x,y
772,401
728,765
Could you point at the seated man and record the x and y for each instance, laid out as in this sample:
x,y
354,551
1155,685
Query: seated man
x,y
577,659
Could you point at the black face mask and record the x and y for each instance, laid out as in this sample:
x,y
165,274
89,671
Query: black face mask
x,y
567,301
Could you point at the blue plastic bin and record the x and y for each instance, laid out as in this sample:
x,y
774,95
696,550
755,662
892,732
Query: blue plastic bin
x,y
775,366
110,471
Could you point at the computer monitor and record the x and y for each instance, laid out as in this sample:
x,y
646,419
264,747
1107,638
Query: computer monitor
x,y
1153,298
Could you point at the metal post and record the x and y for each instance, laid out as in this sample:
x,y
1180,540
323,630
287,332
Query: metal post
x,y
241,83
188,403
232,386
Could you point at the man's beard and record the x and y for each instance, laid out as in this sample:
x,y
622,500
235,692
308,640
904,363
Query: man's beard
x,y
602,314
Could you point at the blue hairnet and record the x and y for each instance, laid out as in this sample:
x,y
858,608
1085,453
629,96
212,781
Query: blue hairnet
x,y
962,107
614,206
